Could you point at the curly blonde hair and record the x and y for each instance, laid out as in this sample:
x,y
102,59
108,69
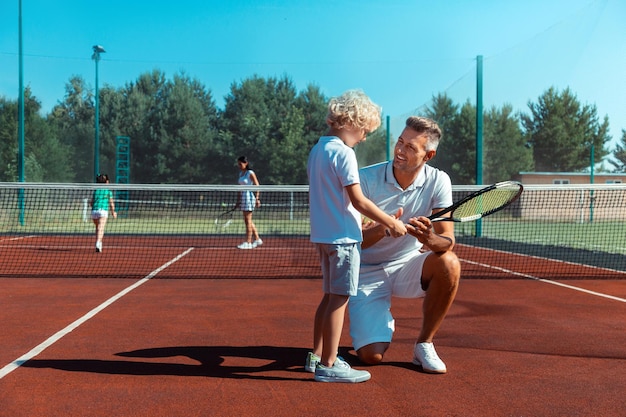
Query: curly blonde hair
x,y
353,109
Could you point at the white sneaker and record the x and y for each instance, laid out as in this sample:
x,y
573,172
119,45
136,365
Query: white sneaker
x,y
424,354
98,246
340,372
311,362
246,245
256,243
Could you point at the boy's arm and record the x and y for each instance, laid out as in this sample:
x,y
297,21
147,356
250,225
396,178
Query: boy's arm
x,y
369,209
373,231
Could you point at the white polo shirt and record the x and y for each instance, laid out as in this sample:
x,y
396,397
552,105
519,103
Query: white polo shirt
x,y
432,189
332,166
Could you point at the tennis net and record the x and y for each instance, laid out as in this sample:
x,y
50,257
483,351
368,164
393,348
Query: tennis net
x,y
553,232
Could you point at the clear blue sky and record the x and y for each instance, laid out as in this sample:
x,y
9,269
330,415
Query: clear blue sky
x,y
400,52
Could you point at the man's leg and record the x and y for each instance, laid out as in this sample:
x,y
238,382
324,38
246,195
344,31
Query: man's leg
x,y
440,280
371,322
440,275
372,354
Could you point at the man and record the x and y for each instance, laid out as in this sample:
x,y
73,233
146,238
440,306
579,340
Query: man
x,y
419,264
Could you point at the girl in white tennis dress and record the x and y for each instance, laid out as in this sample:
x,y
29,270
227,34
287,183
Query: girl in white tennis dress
x,y
249,201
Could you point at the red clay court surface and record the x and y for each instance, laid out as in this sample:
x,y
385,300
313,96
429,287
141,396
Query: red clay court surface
x,y
236,347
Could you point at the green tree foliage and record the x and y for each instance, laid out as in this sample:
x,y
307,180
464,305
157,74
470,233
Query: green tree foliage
x,y
178,135
456,153
561,132
314,108
505,150
144,104
45,158
185,139
464,153
619,154
8,140
265,120
73,119
374,149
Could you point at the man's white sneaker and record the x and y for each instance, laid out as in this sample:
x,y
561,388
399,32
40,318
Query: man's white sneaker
x,y
256,243
245,245
424,354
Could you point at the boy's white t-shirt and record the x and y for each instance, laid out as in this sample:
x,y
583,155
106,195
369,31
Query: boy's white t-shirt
x,y
332,166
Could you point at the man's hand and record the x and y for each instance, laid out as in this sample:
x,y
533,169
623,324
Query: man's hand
x,y
421,228
439,239
400,229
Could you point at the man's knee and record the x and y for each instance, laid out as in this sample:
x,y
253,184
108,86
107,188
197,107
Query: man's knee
x,y
441,267
372,354
451,265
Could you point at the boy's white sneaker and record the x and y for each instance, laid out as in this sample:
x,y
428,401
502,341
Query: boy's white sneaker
x,y
311,362
340,372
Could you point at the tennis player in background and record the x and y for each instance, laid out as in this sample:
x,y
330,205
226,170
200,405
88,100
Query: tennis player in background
x,y
101,203
335,199
249,201
418,265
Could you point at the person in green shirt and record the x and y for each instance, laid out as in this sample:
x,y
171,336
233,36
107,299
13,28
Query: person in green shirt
x,y
101,203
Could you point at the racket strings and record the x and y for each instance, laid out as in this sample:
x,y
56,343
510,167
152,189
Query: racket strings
x,y
486,203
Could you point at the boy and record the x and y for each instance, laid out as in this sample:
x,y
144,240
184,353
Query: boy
x,y
336,199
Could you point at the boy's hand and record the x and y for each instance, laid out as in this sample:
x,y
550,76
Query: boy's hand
x,y
399,228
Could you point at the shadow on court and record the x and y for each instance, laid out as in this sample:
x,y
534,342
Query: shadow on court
x,y
212,361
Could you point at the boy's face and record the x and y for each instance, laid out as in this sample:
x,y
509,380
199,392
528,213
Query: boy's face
x,y
354,137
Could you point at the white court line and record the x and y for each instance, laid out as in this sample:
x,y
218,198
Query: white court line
x,y
547,281
17,238
58,335
543,258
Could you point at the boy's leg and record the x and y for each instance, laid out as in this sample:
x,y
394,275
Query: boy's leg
x,y
318,326
332,327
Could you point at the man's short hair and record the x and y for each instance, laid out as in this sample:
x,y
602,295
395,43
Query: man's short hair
x,y
424,125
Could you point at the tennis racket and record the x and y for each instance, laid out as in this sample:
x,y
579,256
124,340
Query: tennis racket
x,y
481,203
224,219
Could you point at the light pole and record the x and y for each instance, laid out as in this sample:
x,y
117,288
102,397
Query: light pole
x,y
97,50
591,197
592,158
20,117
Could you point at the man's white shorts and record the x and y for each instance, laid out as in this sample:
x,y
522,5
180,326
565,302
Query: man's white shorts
x,y
370,310
99,214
